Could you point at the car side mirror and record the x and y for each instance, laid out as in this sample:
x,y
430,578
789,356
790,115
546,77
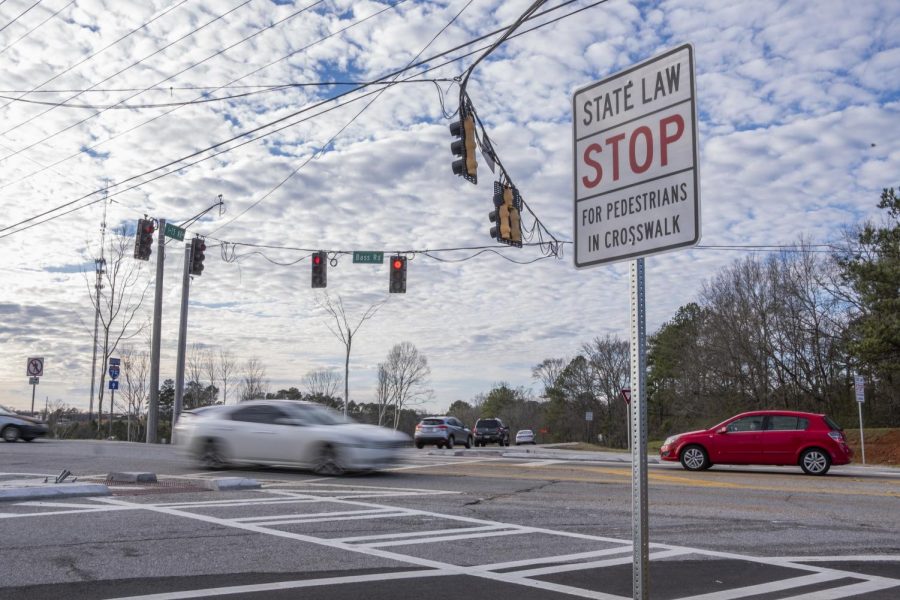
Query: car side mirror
x,y
722,430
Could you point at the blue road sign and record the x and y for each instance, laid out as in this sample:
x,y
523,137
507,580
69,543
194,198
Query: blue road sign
x,y
114,371
114,361
113,384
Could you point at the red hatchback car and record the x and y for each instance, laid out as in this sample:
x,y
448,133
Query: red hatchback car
x,y
766,437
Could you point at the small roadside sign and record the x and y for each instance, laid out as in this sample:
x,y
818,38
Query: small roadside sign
x,y
589,416
35,367
34,380
859,383
637,184
372,258
113,384
175,232
626,395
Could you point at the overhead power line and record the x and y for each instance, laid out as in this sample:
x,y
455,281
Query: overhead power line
x,y
148,121
22,14
32,30
266,126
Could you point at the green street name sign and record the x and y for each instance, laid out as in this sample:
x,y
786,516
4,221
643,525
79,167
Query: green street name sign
x,y
372,258
174,232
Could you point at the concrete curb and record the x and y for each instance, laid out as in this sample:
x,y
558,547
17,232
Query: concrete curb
x,y
131,477
53,490
545,455
225,484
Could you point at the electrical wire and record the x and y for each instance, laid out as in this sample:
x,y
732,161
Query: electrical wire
x,y
253,72
350,122
196,101
33,29
104,49
22,14
265,126
155,52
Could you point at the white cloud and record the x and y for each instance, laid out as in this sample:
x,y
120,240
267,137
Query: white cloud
x,y
792,97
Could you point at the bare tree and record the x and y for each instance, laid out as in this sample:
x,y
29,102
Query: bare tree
x,y
548,372
136,377
211,370
227,366
253,383
322,382
344,331
383,394
120,304
194,371
407,374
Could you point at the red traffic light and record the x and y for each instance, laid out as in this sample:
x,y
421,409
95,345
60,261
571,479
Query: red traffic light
x,y
317,259
148,227
398,264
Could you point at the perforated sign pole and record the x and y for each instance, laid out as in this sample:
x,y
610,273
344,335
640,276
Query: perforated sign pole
x,y
639,529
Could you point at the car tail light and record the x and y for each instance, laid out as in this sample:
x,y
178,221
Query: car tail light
x,y
418,427
836,436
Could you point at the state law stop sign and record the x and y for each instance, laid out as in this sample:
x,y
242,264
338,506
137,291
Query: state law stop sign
x,y
637,186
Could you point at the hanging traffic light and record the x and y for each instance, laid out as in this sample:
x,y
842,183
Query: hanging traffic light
x,y
143,240
464,147
198,249
398,275
507,215
319,269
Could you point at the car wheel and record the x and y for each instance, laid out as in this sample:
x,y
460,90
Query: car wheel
x,y
420,445
469,442
11,433
212,457
815,461
450,442
694,458
327,463
440,444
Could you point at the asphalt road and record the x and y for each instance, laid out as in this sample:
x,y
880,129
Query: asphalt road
x,y
447,525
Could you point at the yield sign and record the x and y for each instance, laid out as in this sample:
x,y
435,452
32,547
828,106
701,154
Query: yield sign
x,y
626,395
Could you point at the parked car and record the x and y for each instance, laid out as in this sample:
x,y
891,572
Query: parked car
x,y
490,431
771,437
525,436
286,433
442,431
14,426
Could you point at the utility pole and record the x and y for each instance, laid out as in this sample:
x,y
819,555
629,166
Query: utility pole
x,y
182,336
153,408
99,264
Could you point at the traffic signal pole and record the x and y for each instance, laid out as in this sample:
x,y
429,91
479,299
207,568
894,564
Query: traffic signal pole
x,y
153,409
182,337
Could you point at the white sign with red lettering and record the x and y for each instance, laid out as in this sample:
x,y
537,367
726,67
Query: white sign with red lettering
x,y
637,186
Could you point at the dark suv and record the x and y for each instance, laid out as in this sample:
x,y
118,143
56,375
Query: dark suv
x,y
490,431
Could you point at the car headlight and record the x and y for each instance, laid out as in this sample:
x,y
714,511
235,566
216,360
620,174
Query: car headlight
x,y
670,440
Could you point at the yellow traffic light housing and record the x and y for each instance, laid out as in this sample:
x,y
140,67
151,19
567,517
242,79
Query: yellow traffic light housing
x,y
507,215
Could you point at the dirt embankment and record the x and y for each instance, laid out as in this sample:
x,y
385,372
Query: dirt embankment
x,y
882,446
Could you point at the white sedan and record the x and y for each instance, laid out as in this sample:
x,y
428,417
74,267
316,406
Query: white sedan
x,y
286,433
524,436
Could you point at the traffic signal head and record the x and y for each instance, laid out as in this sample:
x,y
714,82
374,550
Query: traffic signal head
x,y
319,262
506,215
398,275
464,148
143,241
198,255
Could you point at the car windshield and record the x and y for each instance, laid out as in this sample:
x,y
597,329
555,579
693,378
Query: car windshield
x,y
6,411
525,432
317,414
488,423
432,421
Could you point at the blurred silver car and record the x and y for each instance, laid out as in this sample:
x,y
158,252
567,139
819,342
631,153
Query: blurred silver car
x,y
286,433
524,436
14,426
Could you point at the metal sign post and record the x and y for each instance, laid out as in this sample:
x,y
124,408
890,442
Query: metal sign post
x,y
639,514
860,385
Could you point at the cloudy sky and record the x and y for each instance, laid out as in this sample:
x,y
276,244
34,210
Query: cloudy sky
x,y
798,111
